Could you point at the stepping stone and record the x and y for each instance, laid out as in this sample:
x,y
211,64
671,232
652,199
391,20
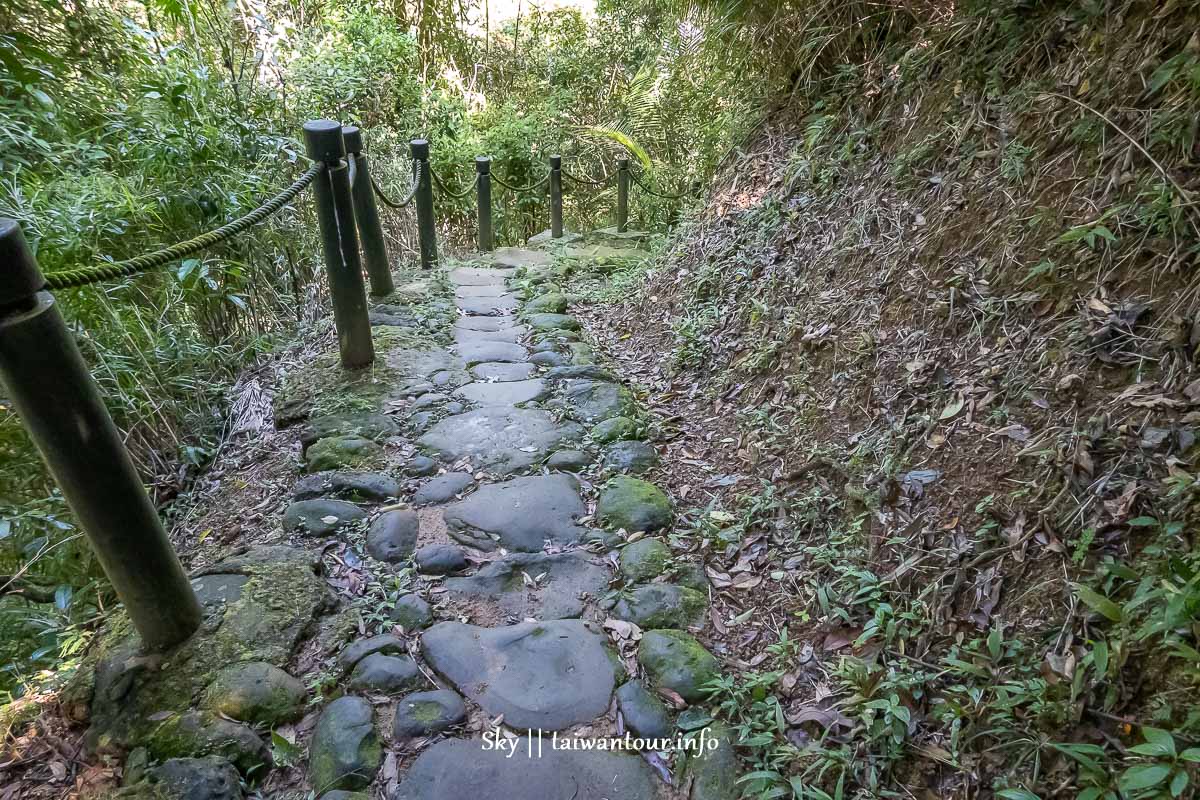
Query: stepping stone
x,y
501,372
487,306
344,752
515,257
421,363
428,400
510,335
479,351
443,489
482,290
520,514
392,536
357,651
412,613
361,487
425,713
645,715
440,559
420,467
385,674
536,585
477,276
662,605
508,393
711,771
485,323
595,401
547,675
546,237
449,379
634,505
320,517
255,692
630,457
675,660
501,440
548,303
470,768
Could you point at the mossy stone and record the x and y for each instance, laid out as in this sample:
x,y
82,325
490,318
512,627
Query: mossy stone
x,y
644,713
345,752
712,770
676,661
662,605
357,651
321,517
548,303
368,425
615,429
633,505
197,733
412,613
385,674
425,713
644,560
342,452
552,322
256,692
630,457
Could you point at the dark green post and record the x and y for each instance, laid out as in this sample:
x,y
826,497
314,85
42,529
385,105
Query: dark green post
x,y
556,225
622,194
49,385
366,214
335,210
426,230
483,204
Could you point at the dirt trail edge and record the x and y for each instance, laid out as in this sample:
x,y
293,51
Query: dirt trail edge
x,y
471,588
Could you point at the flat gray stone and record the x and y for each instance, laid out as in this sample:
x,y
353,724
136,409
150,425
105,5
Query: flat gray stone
x,y
412,612
486,323
589,371
443,489
392,536
520,514
502,372
507,393
493,289
454,769
385,674
515,257
344,752
468,337
535,584
420,467
502,440
547,675
209,778
425,713
549,358
478,276
487,306
320,517
478,352
595,401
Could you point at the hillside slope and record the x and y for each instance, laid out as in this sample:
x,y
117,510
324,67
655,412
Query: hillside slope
x,y
936,326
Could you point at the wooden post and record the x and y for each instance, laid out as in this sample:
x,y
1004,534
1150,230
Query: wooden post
x,y
483,204
622,194
426,227
556,217
366,214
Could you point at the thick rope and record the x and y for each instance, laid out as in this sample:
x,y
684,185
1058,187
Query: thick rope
x,y
408,198
522,189
446,189
70,278
653,193
585,181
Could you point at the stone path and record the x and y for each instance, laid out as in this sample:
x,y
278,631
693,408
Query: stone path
x,y
546,602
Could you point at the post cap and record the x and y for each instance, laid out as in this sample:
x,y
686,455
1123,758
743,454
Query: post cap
x,y
20,277
420,148
483,165
323,140
555,162
352,136
622,163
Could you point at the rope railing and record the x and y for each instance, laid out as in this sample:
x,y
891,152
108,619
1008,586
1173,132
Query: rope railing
x,y
522,189
585,181
72,278
446,190
653,193
415,183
